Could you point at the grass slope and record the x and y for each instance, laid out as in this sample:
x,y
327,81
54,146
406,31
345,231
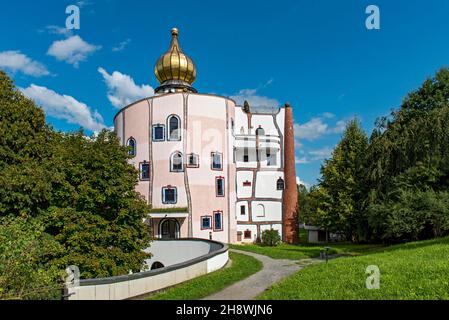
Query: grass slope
x,y
242,267
418,270
303,251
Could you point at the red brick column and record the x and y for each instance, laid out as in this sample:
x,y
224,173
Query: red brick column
x,y
290,198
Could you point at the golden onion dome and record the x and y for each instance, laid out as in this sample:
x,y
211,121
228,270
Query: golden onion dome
x,y
175,69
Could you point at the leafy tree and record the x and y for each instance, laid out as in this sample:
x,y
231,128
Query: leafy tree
x,y
26,271
340,189
25,170
82,189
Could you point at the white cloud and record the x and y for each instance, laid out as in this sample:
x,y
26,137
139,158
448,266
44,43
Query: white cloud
x,y
320,154
300,182
59,30
311,130
65,107
84,3
302,160
72,50
121,46
254,99
16,61
316,128
122,90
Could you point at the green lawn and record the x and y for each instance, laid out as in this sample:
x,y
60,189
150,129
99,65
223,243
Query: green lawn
x,y
242,266
303,251
418,270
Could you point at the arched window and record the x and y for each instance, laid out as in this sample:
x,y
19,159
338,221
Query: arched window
x,y
280,184
132,147
156,265
174,128
260,210
176,162
260,131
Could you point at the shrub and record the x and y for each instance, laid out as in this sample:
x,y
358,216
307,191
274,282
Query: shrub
x,y
271,238
26,271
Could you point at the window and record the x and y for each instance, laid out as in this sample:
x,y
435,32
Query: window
x,y
169,195
193,160
280,185
132,147
176,162
218,216
242,210
247,234
220,186
271,158
144,171
206,222
156,265
245,155
260,131
217,161
174,128
260,210
158,132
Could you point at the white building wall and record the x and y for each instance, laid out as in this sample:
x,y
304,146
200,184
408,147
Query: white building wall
x,y
239,216
273,211
243,227
266,184
243,176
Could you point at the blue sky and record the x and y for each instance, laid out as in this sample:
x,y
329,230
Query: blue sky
x,y
318,55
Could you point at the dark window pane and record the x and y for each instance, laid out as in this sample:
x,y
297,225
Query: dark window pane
x,y
242,210
216,161
169,195
220,186
206,223
174,128
158,133
217,221
145,171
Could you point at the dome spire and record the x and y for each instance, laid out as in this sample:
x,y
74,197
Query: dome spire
x,y
174,70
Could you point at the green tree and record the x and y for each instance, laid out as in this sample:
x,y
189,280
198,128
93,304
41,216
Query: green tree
x,y
26,251
81,188
25,170
340,190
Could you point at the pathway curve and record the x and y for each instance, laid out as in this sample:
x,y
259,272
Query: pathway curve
x,y
273,271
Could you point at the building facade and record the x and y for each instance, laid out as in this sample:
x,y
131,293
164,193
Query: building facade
x,y
208,167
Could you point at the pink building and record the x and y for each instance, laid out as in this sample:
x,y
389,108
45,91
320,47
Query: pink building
x,y
208,167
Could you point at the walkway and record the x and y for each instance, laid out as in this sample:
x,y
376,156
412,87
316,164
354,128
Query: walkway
x,y
273,271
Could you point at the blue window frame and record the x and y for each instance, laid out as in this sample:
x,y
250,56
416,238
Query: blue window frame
x,y
206,222
218,221
169,195
158,132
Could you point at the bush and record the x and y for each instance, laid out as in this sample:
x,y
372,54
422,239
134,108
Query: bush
x,y
26,251
271,238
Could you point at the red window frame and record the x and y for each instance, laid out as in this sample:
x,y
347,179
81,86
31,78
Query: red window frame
x,y
221,218
216,187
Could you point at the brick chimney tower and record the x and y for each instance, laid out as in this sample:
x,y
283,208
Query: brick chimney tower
x,y
290,195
